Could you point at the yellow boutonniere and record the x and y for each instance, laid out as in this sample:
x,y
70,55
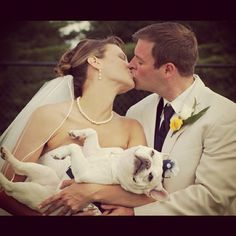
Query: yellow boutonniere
x,y
186,117
175,123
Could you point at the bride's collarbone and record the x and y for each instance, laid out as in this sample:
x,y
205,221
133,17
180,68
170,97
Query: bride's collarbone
x,y
108,135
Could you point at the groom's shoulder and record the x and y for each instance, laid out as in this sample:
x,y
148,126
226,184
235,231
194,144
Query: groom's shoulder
x,y
145,102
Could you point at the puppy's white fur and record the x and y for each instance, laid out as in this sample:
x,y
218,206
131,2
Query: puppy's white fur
x,y
137,169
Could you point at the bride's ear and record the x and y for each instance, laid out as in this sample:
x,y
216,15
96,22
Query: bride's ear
x,y
94,61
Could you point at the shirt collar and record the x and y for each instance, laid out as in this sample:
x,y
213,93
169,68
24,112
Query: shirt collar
x,y
177,104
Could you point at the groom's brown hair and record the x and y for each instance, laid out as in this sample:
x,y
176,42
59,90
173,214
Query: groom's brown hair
x,y
173,42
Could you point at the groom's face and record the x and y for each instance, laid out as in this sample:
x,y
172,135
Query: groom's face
x,y
142,66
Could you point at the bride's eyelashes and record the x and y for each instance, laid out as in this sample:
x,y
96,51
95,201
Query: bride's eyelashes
x,y
123,57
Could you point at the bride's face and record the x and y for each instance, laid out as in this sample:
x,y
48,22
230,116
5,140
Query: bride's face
x,y
115,68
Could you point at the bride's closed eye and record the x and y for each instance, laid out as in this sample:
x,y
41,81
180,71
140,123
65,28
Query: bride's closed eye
x,y
123,57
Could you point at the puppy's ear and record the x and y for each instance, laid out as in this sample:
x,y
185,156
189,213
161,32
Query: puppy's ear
x,y
158,193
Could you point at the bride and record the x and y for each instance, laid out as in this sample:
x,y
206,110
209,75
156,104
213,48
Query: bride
x,y
91,75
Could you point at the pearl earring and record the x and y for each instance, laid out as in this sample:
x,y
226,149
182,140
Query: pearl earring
x,y
99,74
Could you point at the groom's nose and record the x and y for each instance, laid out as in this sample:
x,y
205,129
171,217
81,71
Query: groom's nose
x,y
131,64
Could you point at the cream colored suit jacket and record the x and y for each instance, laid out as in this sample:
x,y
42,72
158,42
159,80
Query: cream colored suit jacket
x,y
205,152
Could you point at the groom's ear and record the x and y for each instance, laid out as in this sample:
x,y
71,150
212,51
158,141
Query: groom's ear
x,y
94,61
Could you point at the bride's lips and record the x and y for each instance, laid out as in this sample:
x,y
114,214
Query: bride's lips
x,y
132,74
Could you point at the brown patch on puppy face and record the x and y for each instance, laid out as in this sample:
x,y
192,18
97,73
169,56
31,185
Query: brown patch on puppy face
x,y
141,164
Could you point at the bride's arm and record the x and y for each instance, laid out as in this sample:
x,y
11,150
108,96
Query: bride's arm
x,y
136,135
76,196
33,134
114,194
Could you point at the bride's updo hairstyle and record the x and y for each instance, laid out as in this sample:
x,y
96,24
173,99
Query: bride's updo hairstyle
x,y
74,61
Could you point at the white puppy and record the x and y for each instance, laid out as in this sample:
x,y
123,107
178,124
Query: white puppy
x,y
138,169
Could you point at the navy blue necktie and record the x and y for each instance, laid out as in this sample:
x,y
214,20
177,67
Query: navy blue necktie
x,y
160,133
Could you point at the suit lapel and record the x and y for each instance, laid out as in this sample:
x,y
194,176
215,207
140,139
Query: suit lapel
x,y
149,120
170,140
195,93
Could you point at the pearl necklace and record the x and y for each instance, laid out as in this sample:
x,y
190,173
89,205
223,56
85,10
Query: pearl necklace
x,y
91,120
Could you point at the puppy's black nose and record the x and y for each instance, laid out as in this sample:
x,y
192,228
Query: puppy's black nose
x,y
150,177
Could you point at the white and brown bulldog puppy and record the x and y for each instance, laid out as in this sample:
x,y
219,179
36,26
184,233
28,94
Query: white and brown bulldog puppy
x,y
139,169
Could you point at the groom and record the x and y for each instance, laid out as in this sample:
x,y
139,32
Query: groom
x,y
202,132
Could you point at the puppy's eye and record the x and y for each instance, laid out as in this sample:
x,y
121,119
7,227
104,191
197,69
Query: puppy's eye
x,y
134,179
150,177
152,153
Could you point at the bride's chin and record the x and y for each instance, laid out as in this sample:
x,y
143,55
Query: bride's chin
x,y
131,85
127,88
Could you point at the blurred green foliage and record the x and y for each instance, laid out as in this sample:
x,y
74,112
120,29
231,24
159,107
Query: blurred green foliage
x,y
26,41
43,41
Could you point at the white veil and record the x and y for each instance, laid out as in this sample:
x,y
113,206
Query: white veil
x,y
54,91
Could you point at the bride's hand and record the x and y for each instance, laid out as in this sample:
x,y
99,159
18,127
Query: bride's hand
x,y
70,200
67,183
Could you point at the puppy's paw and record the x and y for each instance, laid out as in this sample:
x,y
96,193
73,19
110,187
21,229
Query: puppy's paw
x,y
4,153
58,155
72,134
77,134
58,158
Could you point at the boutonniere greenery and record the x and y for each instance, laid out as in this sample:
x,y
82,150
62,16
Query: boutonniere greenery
x,y
186,117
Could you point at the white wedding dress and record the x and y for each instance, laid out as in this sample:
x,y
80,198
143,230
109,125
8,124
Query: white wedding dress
x,y
54,91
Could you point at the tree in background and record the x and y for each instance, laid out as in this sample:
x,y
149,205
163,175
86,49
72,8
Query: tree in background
x,y
44,41
218,35
217,45
26,41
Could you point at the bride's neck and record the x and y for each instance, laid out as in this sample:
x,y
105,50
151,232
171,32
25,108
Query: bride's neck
x,y
97,104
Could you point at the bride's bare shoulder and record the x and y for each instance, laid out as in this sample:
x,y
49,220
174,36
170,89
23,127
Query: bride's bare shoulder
x,y
50,111
129,122
135,131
